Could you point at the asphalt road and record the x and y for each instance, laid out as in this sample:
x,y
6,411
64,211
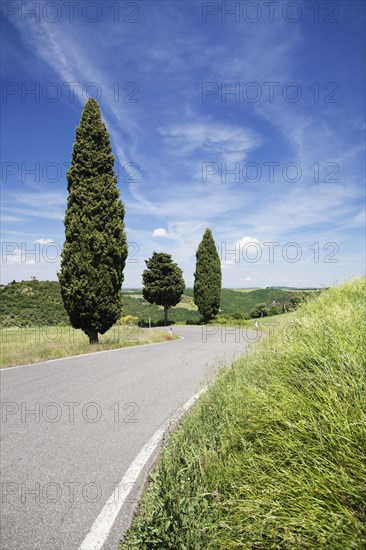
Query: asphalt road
x,y
71,428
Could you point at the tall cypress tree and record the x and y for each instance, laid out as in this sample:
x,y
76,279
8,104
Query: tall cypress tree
x,y
207,278
95,248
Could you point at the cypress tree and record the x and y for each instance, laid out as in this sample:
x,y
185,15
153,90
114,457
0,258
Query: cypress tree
x,y
163,282
95,248
207,278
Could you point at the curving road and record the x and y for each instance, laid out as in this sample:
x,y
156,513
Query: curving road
x,y
71,428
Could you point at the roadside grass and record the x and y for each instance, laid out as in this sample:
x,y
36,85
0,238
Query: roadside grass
x,y
23,345
277,323
263,322
273,456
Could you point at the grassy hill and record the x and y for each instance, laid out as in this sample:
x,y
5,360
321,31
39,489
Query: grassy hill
x,y
236,302
39,303
32,303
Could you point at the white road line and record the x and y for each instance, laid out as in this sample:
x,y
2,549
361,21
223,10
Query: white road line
x,y
101,527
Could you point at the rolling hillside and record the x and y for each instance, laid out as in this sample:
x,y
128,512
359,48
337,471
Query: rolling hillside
x,y
39,303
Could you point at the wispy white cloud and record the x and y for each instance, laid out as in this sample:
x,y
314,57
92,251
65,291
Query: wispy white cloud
x,y
220,141
71,60
306,207
48,205
9,218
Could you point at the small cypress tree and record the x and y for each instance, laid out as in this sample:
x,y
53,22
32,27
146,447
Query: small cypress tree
x,y
163,282
207,278
95,248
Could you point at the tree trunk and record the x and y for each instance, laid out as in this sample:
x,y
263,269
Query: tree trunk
x,y
165,316
93,336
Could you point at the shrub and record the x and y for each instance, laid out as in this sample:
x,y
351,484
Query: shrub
x,y
128,320
260,310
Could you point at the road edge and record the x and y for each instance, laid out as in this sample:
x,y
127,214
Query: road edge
x,y
137,472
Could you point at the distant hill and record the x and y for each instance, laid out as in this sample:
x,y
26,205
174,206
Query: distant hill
x,y
32,303
292,288
236,301
40,303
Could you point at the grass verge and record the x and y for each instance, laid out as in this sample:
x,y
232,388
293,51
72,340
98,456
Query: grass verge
x,y
274,454
23,345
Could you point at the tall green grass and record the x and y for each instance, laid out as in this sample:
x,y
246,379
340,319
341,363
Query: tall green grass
x,y
274,454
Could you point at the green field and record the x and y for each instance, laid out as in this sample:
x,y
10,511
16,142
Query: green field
x,y
23,345
274,454
245,289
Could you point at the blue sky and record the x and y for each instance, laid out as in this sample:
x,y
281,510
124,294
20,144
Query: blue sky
x,y
276,169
